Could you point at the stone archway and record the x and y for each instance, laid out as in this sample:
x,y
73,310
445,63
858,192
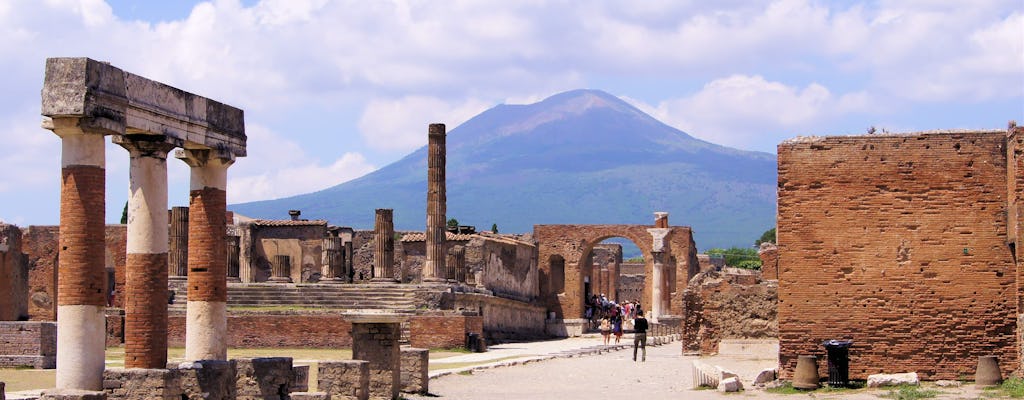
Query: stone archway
x,y
672,249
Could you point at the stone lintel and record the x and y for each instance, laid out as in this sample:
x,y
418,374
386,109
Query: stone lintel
x,y
375,318
112,101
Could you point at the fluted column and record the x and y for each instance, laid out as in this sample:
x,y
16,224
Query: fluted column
x,y
384,246
206,311
333,254
281,269
81,293
145,325
457,263
177,266
434,267
657,286
234,259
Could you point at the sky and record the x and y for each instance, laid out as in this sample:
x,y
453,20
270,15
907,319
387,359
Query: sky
x,y
333,90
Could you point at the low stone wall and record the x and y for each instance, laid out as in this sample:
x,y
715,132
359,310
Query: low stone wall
x,y
414,370
32,344
275,330
503,319
722,305
443,330
348,379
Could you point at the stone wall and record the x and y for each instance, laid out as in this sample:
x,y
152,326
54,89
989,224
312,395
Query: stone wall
x,y
13,275
40,246
769,255
900,243
728,304
301,241
631,287
275,330
32,344
508,266
503,319
443,330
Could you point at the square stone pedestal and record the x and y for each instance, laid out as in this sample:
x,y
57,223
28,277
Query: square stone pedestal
x,y
375,340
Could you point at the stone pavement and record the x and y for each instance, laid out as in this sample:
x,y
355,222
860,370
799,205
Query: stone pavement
x,y
575,369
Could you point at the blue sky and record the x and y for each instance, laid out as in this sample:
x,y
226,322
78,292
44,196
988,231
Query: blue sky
x,y
335,89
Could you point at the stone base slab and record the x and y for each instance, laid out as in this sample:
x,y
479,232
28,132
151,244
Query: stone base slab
x,y
565,327
72,394
141,383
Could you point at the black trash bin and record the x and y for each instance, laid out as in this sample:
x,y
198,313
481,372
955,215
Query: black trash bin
x,y
473,342
838,362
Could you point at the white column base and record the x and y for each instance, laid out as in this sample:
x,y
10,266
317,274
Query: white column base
x,y
81,341
206,330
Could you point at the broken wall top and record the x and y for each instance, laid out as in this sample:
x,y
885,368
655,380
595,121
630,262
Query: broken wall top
x,y
111,101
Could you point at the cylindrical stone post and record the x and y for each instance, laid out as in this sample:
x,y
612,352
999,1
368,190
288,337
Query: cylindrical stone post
x,y
434,267
281,268
81,291
332,258
206,312
234,260
146,271
656,287
177,267
457,263
384,246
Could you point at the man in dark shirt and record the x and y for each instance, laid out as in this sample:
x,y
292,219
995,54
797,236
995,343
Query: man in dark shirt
x,y
640,335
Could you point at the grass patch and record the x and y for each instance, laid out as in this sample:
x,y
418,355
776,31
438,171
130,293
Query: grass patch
x,y
466,372
1011,388
786,388
907,392
17,379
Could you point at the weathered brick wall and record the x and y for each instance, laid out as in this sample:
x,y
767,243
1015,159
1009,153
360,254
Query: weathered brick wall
x,y
729,304
13,275
1015,209
40,245
898,242
769,255
28,344
270,330
503,319
443,330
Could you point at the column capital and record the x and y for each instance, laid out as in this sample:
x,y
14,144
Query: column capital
x,y
658,238
436,129
205,157
143,145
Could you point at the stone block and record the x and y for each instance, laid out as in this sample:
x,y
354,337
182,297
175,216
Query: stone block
x,y
414,370
377,342
348,380
266,378
881,380
300,378
207,379
765,376
28,344
310,396
72,394
730,385
140,383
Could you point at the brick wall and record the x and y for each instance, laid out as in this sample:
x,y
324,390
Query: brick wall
x,y
270,330
13,275
443,331
28,344
898,242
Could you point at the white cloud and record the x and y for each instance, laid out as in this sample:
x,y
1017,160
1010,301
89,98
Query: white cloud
x,y
401,124
276,167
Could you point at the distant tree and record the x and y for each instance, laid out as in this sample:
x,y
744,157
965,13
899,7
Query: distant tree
x,y
453,223
494,228
738,257
767,236
124,213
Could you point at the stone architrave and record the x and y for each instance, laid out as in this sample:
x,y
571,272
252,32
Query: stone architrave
x,y
145,326
434,267
383,246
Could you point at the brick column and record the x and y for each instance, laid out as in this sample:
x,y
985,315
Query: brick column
x,y
177,268
383,246
332,260
81,274
206,312
145,306
434,266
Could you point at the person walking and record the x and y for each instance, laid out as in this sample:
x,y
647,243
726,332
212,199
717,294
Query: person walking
x,y
617,324
640,335
606,329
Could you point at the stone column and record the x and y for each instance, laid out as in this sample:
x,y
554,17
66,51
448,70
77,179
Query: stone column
x,y
281,269
656,290
206,311
384,247
146,267
457,263
177,268
81,280
434,268
234,259
346,234
331,260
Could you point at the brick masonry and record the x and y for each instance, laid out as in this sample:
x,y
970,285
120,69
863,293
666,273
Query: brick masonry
x,y
728,304
146,311
443,331
900,243
82,280
32,344
207,255
270,330
377,343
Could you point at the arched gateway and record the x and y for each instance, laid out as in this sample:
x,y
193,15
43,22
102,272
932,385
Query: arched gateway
x,y
670,258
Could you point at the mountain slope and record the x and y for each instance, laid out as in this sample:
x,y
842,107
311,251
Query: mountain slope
x,y
583,157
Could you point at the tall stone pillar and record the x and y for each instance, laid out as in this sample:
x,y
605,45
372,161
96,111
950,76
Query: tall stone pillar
x,y
457,263
384,246
177,268
333,256
146,267
434,267
657,286
346,234
81,291
206,311
234,258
